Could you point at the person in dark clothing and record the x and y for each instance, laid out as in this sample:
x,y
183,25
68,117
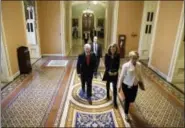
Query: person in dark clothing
x,y
92,34
86,64
86,37
112,62
96,48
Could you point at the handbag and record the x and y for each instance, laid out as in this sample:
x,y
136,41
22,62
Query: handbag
x,y
141,85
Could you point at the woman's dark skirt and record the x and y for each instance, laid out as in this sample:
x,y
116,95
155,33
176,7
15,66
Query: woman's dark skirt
x,y
130,93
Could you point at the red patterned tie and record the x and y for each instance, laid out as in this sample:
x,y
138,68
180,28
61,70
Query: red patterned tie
x,y
88,59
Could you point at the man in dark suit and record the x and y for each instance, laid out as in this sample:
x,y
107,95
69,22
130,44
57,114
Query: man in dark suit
x,y
92,34
96,48
85,69
86,37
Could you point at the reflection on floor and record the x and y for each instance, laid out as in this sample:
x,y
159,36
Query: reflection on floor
x,y
51,96
33,60
77,46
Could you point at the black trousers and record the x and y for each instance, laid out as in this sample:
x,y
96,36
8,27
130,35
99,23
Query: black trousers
x,y
85,41
130,96
97,64
88,82
114,90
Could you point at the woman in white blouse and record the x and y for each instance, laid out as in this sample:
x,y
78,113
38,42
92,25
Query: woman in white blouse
x,y
130,78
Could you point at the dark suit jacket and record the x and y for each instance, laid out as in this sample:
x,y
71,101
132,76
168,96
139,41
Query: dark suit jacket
x,y
92,34
99,53
111,65
82,67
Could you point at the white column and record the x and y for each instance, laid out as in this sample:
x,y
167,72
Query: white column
x,y
115,21
62,33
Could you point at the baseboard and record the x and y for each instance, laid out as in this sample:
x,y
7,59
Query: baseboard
x,y
178,79
52,54
158,72
11,78
16,75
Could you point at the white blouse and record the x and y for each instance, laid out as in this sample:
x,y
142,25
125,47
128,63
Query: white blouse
x,y
130,74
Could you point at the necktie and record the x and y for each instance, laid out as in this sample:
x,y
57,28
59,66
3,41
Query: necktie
x,y
95,48
88,59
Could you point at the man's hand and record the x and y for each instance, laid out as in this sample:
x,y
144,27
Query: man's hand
x,y
119,89
79,75
115,73
111,74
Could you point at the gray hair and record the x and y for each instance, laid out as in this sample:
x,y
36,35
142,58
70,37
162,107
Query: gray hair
x,y
87,46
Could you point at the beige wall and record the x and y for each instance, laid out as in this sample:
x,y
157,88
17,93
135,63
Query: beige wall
x,y
49,17
129,20
168,21
14,30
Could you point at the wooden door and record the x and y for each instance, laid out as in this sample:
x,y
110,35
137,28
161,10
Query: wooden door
x,y
87,22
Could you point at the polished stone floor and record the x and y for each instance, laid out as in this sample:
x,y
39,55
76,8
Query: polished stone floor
x,y
77,46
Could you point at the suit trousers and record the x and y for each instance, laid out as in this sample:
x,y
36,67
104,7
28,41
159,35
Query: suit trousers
x,y
87,81
97,63
130,96
114,90
85,41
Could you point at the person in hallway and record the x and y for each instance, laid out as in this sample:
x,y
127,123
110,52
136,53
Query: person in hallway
x,y
86,37
96,48
86,64
92,34
130,78
112,62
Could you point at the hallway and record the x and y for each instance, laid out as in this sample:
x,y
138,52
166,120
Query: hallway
x,y
50,96
40,43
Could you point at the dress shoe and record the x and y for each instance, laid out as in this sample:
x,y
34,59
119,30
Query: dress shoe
x,y
127,117
116,106
90,101
108,97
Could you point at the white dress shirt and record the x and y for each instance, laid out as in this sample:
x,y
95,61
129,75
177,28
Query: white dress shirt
x,y
95,48
130,74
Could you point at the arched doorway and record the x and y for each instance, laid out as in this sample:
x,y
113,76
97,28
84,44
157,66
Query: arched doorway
x,y
87,22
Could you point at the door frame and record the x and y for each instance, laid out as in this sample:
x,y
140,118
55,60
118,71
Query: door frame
x,y
142,31
36,29
110,32
179,37
5,64
63,23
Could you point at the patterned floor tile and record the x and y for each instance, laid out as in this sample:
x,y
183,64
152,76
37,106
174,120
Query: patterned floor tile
x,y
78,112
32,105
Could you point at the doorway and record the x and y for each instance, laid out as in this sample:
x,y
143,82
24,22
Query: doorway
x,y
147,29
31,29
91,19
88,22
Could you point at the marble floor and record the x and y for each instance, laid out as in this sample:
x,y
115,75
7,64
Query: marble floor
x,y
77,46
51,96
